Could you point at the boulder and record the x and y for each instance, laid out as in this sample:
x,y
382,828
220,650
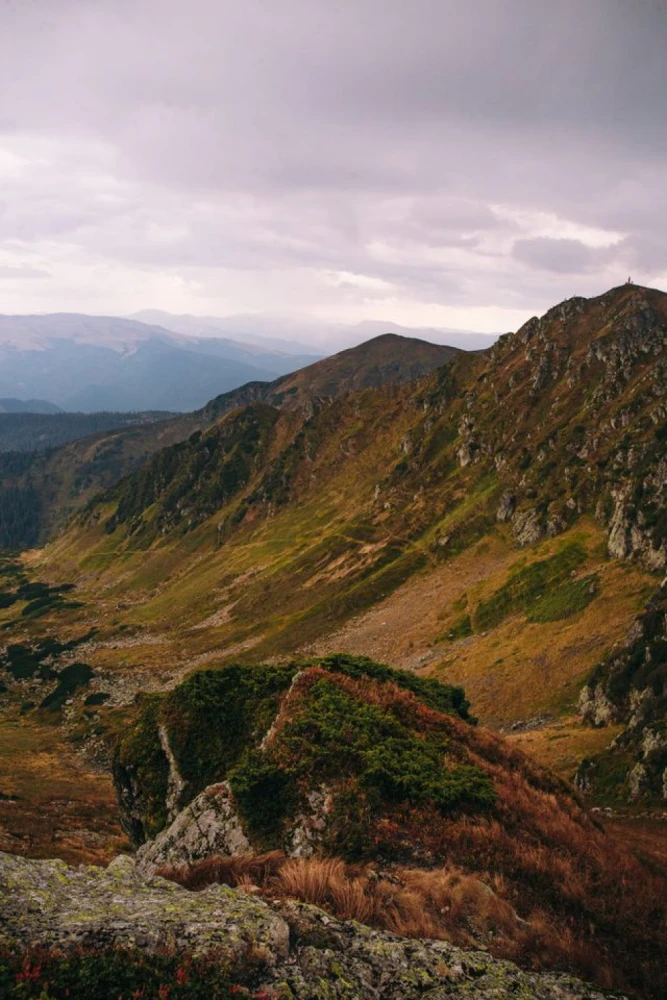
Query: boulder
x,y
305,954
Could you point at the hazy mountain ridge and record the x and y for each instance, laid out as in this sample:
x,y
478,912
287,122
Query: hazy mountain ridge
x,y
94,363
33,431
265,331
28,406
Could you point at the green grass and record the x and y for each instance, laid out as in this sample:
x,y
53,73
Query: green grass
x,y
461,629
528,585
566,600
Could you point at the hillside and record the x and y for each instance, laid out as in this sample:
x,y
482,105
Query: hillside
x,y
343,758
39,493
559,423
470,526
35,431
629,687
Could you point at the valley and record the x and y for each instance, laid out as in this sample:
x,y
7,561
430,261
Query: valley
x,y
489,521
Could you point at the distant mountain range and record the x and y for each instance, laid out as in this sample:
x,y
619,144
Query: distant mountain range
x,y
291,334
42,484
156,361
95,363
28,406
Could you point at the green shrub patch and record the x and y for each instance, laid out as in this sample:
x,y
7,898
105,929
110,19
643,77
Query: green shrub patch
x,y
73,676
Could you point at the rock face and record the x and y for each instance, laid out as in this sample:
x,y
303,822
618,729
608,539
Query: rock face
x,y
630,687
46,903
301,953
570,414
209,825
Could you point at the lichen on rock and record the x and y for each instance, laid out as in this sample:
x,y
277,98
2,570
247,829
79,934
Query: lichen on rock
x,y
289,949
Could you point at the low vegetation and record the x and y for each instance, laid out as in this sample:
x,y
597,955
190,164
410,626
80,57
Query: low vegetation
x,y
439,903
406,791
530,586
215,720
117,974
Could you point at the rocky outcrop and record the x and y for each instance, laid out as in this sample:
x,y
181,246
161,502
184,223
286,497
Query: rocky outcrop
x,y
573,421
630,534
527,527
630,687
298,951
175,766
208,825
211,825
47,904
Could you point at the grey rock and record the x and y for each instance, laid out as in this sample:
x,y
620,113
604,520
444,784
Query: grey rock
x,y
306,954
208,825
45,903
506,506
527,527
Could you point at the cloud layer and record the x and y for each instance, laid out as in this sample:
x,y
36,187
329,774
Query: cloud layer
x,y
425,162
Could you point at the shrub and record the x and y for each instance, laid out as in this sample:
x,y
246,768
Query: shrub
x,y
331,732
73,676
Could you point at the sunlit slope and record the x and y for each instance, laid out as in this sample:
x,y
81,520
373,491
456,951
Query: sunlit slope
x,y
276,526
40,492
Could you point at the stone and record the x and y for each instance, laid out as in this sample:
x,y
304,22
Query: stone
x,y
47,904
208,825
506,507
527,527
306,954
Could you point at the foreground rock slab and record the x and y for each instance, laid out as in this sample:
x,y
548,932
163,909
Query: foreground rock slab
x,y
295,951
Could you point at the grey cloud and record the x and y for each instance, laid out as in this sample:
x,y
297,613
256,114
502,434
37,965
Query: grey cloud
x,y
375,138
560,255
27,272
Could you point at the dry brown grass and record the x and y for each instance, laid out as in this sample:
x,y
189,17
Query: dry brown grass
x,y
56,805
534,879
442,904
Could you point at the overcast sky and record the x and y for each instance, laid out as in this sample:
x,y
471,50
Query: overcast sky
x,y
461,163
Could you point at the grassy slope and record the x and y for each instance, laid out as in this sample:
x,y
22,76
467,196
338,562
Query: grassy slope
x,y
66,478
516,669
374,495
373,514
55,804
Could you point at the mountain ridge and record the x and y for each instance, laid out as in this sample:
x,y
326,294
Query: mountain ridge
x,y
279,528
80,469
13,405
